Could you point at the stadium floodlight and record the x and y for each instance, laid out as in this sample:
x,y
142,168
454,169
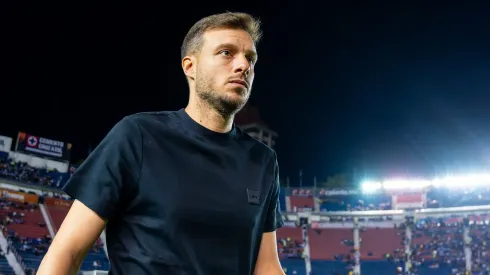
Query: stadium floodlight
x,y
406,184
461,181
395,184
371,186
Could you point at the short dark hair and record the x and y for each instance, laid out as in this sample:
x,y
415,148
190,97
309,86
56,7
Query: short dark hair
x,y
234,20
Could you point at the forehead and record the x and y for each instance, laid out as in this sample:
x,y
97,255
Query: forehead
x,y
239,38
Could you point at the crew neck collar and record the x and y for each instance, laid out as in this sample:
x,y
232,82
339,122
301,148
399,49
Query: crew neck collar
x,y
197,128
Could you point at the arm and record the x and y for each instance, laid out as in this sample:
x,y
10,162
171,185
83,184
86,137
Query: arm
x,y
79,231
268,260
102,186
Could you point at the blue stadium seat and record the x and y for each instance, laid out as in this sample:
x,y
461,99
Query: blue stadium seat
x,y
95,256
367,267
30,260
5,268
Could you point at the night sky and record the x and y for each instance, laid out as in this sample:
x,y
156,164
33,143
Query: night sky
x,y
373,90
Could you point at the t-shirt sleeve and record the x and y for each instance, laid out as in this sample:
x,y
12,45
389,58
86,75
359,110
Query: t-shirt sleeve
x,y
274,218
105,180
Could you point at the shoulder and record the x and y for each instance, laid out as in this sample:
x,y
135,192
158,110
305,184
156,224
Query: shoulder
x,y
132,128
256,147
145,120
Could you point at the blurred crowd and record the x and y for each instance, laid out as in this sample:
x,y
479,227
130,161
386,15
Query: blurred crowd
x,y
435,244
22,172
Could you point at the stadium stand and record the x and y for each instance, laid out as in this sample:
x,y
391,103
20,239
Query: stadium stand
x,y
437,245
24,225
5,268
27,231
437,250
96,258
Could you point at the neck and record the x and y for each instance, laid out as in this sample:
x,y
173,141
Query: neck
x,y
209,118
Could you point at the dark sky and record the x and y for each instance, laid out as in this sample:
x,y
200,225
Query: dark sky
x,y
380,90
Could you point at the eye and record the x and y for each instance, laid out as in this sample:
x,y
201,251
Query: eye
x,y
251,59
225,53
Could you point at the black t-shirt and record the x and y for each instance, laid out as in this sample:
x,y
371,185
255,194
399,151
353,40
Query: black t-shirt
x,y
179,198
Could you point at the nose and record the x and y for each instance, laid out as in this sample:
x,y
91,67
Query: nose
x,y
242,65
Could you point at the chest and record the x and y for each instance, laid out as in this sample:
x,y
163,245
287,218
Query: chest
x,y
207,186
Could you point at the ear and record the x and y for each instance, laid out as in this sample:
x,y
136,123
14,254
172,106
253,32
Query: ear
x,y
189,66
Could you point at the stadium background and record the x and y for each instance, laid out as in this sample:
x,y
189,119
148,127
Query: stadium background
x,y
371,228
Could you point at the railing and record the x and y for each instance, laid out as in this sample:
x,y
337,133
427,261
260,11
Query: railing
x,y
18,257
48,219
317,191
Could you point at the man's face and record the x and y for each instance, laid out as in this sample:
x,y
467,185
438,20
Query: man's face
x,y
225,69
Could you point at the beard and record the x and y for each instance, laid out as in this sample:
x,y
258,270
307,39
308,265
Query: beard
x,y
222,102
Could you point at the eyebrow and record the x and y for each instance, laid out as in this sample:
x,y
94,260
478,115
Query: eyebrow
x,y
234,47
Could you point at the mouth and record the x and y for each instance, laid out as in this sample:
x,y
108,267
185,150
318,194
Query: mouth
x,y
240,82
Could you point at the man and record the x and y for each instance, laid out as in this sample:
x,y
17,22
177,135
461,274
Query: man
x,y
182,192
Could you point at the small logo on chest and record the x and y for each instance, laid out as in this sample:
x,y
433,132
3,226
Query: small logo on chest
x,y
253,196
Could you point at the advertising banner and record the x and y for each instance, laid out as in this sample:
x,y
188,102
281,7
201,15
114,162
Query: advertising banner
x,y
42,146
5,144
408,200
57,202
19,196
